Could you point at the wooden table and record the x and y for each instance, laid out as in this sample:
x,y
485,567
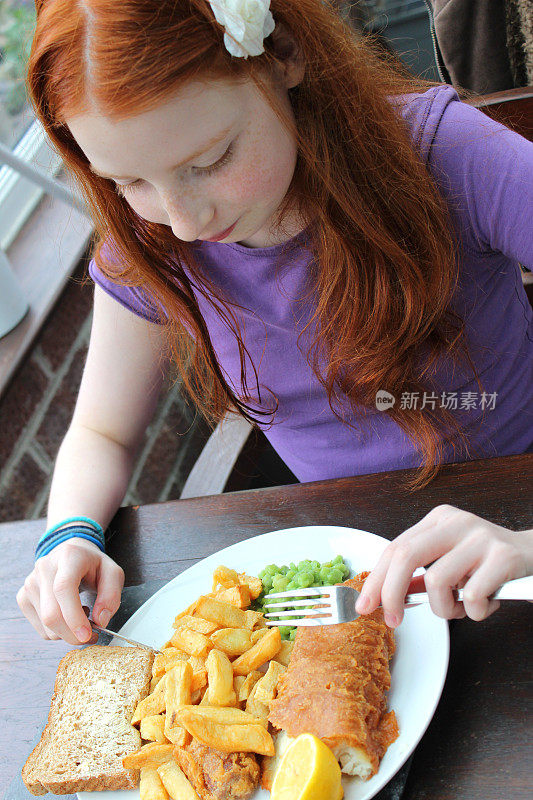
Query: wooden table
x,y
477,744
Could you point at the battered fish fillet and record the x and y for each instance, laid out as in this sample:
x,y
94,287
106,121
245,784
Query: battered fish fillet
x,y
335,688
218,776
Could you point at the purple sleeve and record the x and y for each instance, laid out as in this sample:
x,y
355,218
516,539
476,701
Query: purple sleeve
x,y
135,298
485,171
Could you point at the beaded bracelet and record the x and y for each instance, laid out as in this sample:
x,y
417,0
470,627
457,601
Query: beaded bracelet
x,y
79,527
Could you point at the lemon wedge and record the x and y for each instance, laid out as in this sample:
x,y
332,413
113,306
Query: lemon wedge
x,y
308,771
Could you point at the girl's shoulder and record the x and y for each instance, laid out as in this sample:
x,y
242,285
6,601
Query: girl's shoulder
x,y
134,298
423,111
452,136
483,169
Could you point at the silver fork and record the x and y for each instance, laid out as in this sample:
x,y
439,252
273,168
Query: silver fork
x,y
335,604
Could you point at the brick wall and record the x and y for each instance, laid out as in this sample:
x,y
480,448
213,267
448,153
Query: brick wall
x,y
36,408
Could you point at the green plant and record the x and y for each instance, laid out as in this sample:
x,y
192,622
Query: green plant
x,y
17,23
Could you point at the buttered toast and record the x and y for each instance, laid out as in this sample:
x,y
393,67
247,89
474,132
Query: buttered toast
x,y
89,727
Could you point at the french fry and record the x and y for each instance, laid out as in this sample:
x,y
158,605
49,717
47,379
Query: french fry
x,y
179,736
232,641
189,611
220,679
191,642
238,596
150,755
248,738
197,624
181,686
152,704
284,653
198,696
204,701
177,694
248,684
153,728
199,680
254,619
224,614
263,650
178,689
221,715
255,707
161,683
153,683
197,663
254,585
224,576
265,688
238,681
151,786
175,782
258,634
166,659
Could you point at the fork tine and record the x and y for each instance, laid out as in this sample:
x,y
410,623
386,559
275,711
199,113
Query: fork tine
x,y
303,623
305,612
310,600
312,592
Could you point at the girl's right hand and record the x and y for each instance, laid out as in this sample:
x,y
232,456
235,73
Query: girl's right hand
x,y
50,596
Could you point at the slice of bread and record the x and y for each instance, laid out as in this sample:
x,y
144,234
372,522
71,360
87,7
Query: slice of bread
x,y
89,728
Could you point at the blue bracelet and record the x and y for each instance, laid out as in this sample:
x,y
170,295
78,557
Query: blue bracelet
x,y
79,527
49,536
45,550
98,528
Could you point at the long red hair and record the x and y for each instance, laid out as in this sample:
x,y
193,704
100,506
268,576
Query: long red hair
x,y
384,265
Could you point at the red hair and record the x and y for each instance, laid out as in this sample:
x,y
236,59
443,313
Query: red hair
x,y
384,266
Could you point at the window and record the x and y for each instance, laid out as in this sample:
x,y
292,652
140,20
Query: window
x,y
20,133
17,22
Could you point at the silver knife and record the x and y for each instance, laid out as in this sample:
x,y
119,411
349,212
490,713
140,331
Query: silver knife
x,y
96,627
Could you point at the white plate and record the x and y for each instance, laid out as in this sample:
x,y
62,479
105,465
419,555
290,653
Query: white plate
x,y
418,668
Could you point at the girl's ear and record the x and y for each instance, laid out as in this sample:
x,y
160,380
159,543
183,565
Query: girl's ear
x,y
292,67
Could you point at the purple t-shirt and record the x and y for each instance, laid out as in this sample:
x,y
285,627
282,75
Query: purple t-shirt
x,y
485,171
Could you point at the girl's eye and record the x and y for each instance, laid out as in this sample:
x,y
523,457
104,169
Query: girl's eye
x,y
122,188
218,164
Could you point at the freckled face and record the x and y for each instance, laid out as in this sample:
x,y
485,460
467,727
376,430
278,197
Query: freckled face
x,y
155,162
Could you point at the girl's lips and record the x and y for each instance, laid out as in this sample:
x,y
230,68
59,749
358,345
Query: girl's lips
x,y
222,235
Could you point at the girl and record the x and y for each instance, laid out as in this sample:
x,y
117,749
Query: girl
x,y
317,240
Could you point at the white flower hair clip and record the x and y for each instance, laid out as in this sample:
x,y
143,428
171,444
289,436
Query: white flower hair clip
x,y
246,22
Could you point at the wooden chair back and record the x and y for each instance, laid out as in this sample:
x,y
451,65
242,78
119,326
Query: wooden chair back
x,y
512,107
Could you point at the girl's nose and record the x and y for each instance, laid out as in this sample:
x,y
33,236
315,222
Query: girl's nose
x,y
188,218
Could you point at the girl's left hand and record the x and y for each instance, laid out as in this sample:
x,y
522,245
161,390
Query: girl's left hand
x,y
463,550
